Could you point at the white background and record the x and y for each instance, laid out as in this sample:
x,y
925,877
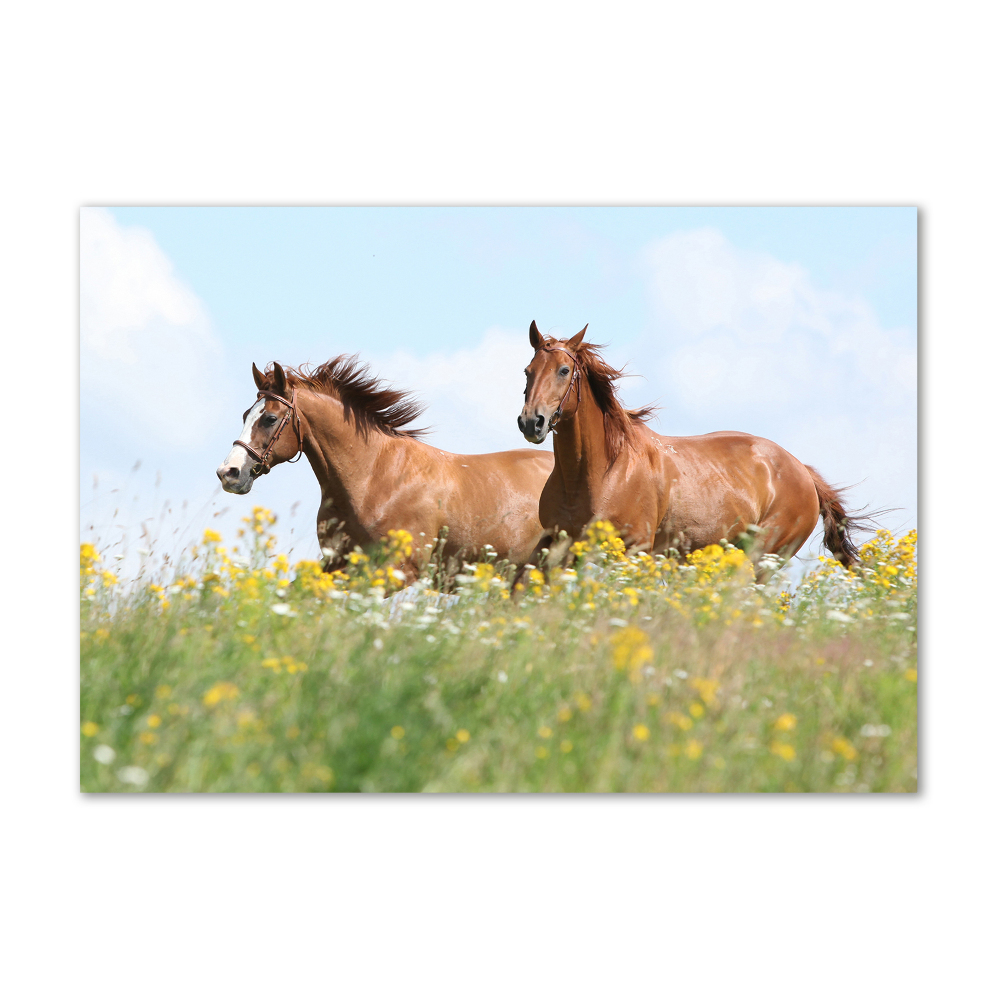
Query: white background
x,y
773,103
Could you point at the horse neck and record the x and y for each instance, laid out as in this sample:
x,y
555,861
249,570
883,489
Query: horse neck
x,y
343,459
581,455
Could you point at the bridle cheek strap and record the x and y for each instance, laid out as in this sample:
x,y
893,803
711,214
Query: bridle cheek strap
x,y
262,464
575,380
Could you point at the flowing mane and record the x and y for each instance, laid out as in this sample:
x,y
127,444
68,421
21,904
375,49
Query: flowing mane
x,y
371,403
619,423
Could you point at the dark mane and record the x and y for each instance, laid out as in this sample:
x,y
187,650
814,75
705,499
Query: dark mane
x,y
366,398
619,424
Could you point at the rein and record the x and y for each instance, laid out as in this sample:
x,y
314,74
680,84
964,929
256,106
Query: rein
x,y
575,380
262,466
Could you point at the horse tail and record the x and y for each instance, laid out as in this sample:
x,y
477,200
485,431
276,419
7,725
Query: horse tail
x,y
838,525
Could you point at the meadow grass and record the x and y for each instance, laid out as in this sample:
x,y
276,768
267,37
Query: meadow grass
x,y
625,673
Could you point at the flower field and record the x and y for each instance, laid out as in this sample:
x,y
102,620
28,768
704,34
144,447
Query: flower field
x,y
238,672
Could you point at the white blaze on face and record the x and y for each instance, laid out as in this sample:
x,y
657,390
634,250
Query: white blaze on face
x,y
240,456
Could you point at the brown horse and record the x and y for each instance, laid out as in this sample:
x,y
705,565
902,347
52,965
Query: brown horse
x,y
376,475
664,492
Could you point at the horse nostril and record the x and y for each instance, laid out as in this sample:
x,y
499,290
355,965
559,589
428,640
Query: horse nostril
x,y
539,423
232,472
520,424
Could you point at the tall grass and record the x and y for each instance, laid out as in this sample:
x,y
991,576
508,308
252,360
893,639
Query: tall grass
x,y
625,673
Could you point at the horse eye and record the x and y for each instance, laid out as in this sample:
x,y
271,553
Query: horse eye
x,y
564,370
268,419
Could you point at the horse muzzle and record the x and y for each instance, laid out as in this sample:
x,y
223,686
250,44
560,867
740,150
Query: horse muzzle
x,y
535,427
235,477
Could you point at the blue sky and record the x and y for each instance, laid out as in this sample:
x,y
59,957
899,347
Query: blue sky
x,y
799,324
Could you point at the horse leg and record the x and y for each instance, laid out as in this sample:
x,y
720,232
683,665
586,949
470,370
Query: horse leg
x,y
334,544
532,562
780,534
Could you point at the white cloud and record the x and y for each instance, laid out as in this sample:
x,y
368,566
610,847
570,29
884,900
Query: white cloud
x,y
149,360
742,341
743,330
473,395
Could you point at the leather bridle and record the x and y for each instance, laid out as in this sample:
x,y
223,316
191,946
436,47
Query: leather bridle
x,y
262,465
575,380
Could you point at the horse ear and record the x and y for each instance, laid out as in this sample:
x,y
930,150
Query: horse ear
x,y
574,343
257,377
278,374
534,336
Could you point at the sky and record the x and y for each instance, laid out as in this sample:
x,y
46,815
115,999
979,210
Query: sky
x,y
796,324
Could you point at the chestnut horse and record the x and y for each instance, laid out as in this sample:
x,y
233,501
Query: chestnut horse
x,y
375,474
664,492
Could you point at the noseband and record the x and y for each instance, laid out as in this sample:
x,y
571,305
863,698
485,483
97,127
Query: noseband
x,y
262,466
575,380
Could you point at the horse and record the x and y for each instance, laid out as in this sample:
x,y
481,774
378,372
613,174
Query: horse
x,y
376,474
662,492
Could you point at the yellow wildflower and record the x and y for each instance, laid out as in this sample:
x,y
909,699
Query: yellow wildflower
x,y
706,689
785,723
462,736
631,650
601,541
640,732
294,666
400,543
90,729
783,750
681,721
223,691
285,663
88,556
398,732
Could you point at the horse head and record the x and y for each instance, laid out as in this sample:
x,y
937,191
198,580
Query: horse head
x,y
264,441
552,374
